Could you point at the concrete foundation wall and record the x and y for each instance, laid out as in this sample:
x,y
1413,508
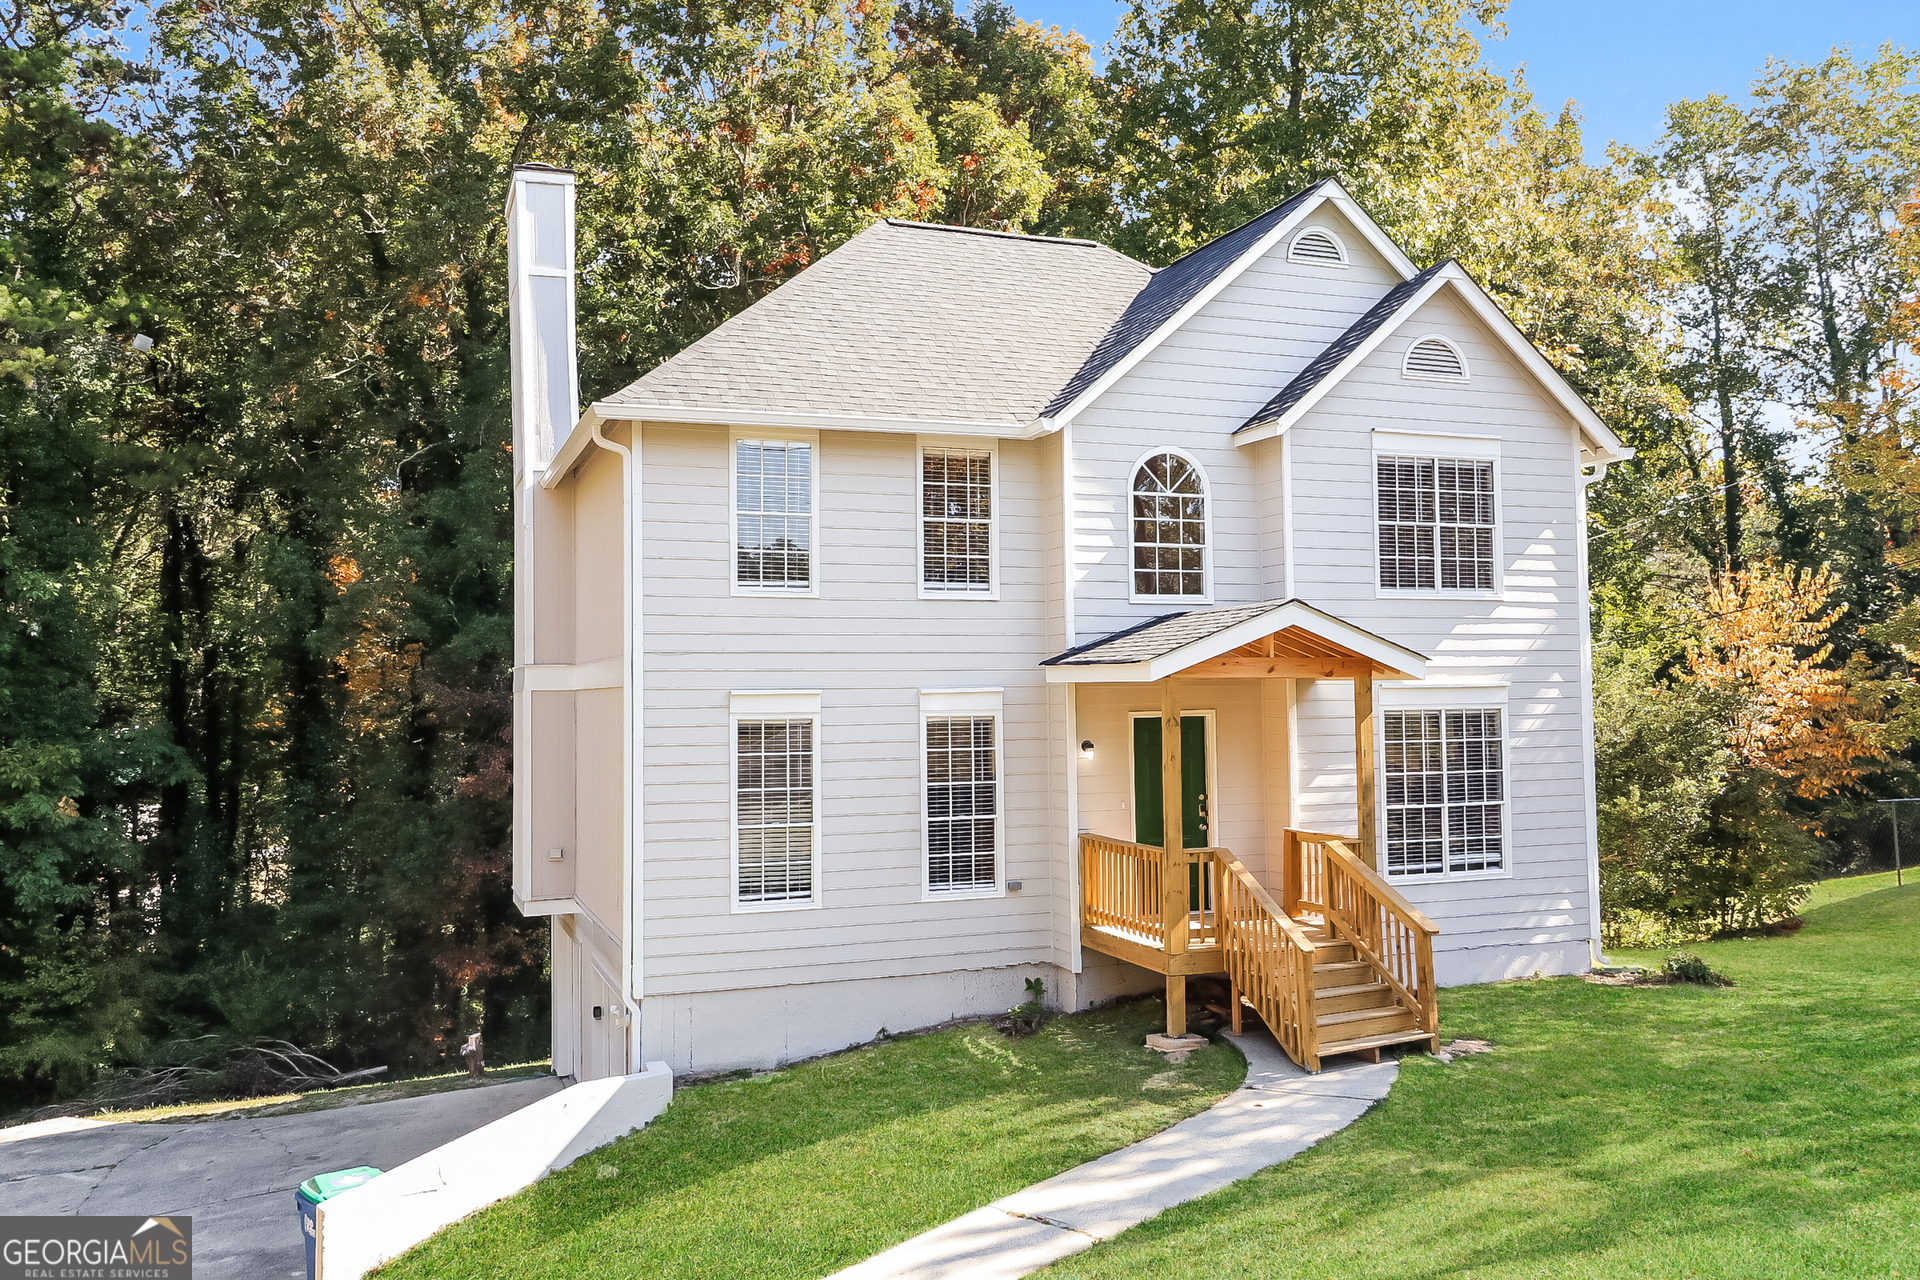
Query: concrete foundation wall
x,y
764,1027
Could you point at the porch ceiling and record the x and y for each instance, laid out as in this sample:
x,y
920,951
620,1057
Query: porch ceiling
x,y
1277,638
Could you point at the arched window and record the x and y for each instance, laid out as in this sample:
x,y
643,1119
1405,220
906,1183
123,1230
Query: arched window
x,y
1169,528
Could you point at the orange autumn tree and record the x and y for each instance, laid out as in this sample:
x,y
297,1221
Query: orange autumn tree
x,y
1764,634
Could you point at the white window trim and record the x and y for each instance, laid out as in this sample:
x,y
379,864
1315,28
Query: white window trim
x,y
1213,768
770,704
1206,558
733,512
1443,446
938,704
1464,695
1407,371
971,445
1346,259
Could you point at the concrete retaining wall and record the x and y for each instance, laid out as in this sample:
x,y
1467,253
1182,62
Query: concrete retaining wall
x,y
381,1219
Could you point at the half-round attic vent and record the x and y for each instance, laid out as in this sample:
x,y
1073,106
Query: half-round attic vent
x,y
1435,357
1318,245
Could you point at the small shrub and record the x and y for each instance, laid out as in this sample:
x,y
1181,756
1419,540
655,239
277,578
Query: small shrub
x,y
1025,1019
1684,966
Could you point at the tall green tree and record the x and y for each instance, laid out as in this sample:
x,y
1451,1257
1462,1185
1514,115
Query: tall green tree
x,y
1223,108
73,974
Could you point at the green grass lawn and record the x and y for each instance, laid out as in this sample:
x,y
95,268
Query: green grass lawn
x,y
1770,1129
803,1171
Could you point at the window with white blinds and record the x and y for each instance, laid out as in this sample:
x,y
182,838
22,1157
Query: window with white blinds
x,y
956,520
1443,778
1436,521
963,803
773,514
774,809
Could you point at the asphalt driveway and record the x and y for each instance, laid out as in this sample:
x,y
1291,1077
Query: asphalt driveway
x,y
236,1178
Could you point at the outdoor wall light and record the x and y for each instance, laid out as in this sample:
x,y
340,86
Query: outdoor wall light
x,y
1086,749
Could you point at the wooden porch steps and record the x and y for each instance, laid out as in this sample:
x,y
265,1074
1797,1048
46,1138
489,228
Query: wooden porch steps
x,y
1353,1010
1338,963
1364,1043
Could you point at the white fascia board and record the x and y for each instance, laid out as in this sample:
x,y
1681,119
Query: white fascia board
x,y
776,420
1376,238
1607,447
1173,323
1400,662
579,441
544,906
1353,361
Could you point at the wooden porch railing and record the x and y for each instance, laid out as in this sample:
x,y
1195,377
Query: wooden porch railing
x,y
1268,958
1123,887
1323,875
1269,961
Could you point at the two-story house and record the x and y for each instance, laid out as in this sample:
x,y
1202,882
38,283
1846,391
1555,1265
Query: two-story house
x,y
860,643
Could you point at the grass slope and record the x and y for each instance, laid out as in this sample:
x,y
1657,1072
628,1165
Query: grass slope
x,y
803,1171
1763,1130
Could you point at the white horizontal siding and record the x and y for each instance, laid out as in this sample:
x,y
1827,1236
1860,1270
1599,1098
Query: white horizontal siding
x,y
869,645
1529,635
1192,393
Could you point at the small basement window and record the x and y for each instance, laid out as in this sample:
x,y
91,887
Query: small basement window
x,y
1319,246
1435,357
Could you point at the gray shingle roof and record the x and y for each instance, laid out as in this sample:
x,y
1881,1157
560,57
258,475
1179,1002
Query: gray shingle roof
x,y
1343,346
909,321
1172,287
1158,637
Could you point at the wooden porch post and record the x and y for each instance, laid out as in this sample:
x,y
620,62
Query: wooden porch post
x,y
1364,764
1173,866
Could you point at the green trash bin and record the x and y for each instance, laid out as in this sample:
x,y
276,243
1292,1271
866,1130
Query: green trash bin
x,y
318,1188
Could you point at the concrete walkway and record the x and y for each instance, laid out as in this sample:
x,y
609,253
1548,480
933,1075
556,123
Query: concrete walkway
x,y
1279,1112
236,1178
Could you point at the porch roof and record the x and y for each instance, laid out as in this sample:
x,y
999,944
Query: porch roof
x,y
1280,638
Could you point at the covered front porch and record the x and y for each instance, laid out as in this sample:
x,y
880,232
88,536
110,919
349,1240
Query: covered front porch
x,y
1205,706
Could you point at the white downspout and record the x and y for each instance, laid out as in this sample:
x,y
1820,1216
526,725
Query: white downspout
x,y
1589,784
632,953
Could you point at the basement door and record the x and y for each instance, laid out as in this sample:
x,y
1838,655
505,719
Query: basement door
x,y
1149,820
603,1038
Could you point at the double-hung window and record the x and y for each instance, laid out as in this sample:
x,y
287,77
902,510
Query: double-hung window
x,y
773,503
1436,521
960,734
956,521
1443,780
776,811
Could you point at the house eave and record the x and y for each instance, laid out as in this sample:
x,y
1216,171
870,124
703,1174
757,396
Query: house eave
x,y
1333,193
1389,661
608,411
1597,438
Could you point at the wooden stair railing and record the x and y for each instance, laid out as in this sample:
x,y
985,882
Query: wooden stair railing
x,y
1269,960
1323,875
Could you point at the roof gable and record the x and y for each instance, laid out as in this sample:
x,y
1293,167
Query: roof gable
x,y
1395,308
1178,290
1175,642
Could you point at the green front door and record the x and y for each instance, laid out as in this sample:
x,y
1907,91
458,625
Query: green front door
x,y
1149,821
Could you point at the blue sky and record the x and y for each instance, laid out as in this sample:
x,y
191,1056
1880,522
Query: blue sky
x,y
1624,60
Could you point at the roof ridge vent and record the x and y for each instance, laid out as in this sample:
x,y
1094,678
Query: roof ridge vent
x,y
1318,246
